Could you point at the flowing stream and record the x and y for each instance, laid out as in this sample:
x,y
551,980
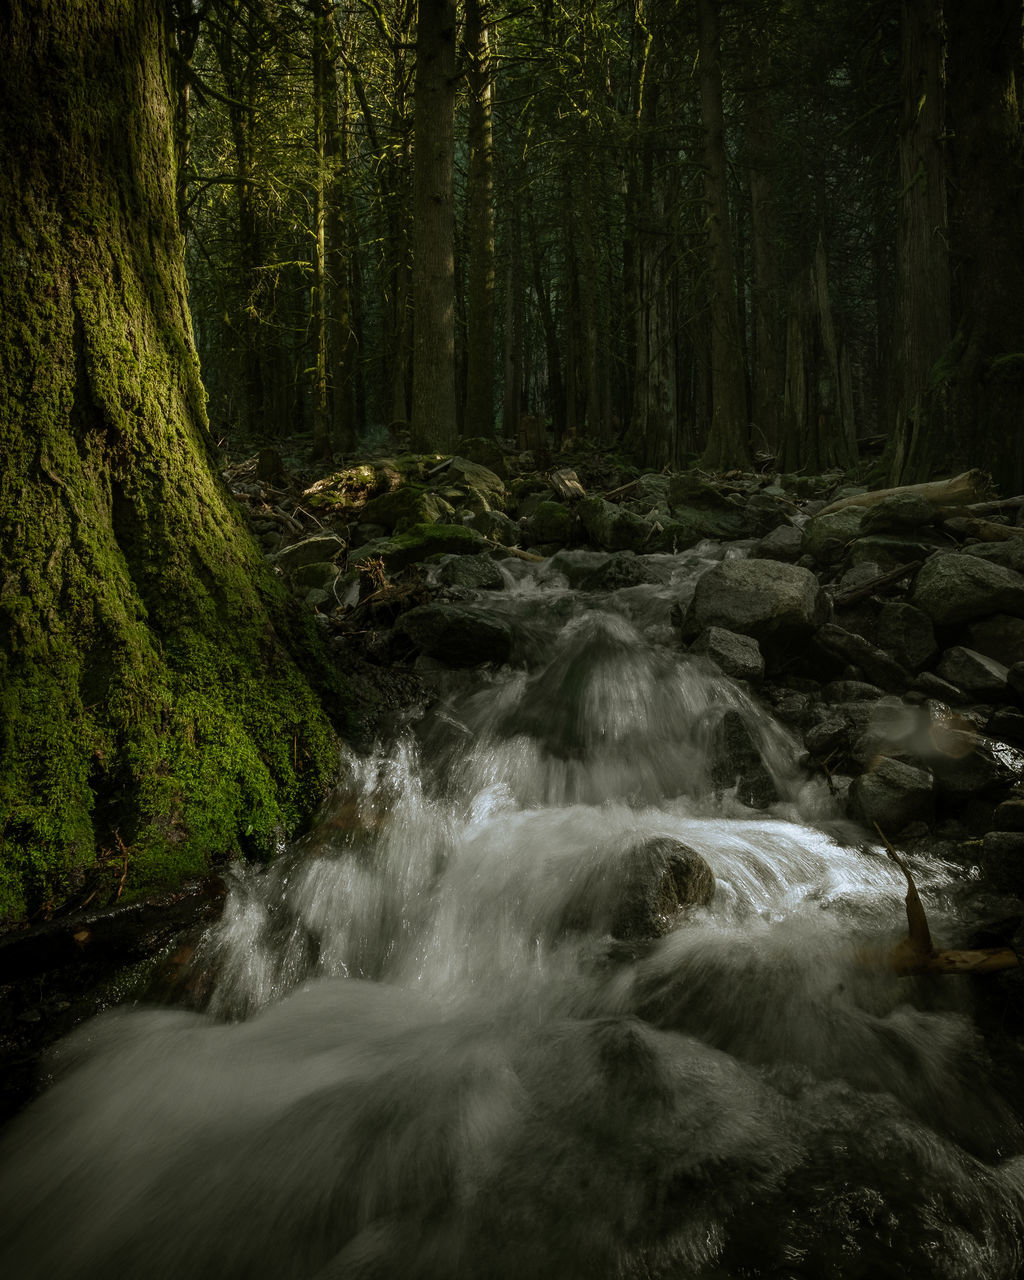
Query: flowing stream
x,y
439,1045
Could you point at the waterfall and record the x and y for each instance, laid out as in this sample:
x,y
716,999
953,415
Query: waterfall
x,y
459,1031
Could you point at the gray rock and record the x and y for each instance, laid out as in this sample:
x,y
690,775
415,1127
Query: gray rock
x,y
737,762
738,656
319,575
851,691
1009,554
456,635
898,514
318,547
893,794
828,537
974,673
827,736
780,605
1007,725
876,664
612,573
933,686
613,528
1015,678
1009,816
907,633
406,505
473,475
1000,637
495,527
968,764
476,571
1003,853
664,877
959,588
419,543
785,542
891,550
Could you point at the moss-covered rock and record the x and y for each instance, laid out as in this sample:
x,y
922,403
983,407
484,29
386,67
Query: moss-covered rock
x,y
405,506
420,543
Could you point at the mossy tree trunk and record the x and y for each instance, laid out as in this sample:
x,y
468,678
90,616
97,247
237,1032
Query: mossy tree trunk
x,y
151,720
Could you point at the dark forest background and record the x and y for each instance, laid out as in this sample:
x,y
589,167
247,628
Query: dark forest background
x,y
734,232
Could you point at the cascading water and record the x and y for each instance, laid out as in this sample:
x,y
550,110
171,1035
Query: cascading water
x,y
438,1046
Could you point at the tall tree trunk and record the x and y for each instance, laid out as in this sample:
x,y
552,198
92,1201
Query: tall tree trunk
x,y
433,370
479,410
727,437
323,106
515,324
150,718
923,282
767,361
972,414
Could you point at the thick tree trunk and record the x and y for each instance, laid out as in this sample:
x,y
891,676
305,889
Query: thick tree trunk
x,y
479,411
151,721
433,264
767,363
972,414
727,438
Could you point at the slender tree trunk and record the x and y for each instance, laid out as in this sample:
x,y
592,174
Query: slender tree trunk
x,y
767,361
515,323
479,410
433,373
323,106
151,719
924,326
727,440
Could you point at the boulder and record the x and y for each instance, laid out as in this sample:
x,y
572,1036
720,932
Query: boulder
x,y
892,794
826,538
974,673
478,572
1000,637
875,663
968,764
1009,554
736,655
551,522
495,527
899,513
827,736
405,506
907,633
475,476
736,762
319,576
1007,725
614,572
1003,854
318,547
456,635
891,550
957,588
785,542
780,605
663,877
613,528
1009,816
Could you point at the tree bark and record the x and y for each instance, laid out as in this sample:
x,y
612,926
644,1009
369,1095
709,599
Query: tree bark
x,y
727,438
433,371
479,410
151,719
923,257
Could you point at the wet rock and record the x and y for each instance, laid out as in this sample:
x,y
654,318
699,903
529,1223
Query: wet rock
x,y
418,543
907,633
478,572
1003,856
319,547
1015,678
826,538
969,764
1009,816
875,663
614,572
780,605
1000,637
736,762
851,691
785,542
827,737
893,794
613,528
956,588
1007,725
456,635
736,655
976,674
664,877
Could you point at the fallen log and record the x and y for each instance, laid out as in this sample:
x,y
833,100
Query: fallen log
x,y
960,491
566,484
855,594
983,530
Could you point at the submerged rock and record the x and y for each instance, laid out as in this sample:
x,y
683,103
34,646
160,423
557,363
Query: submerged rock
x,y
664,877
